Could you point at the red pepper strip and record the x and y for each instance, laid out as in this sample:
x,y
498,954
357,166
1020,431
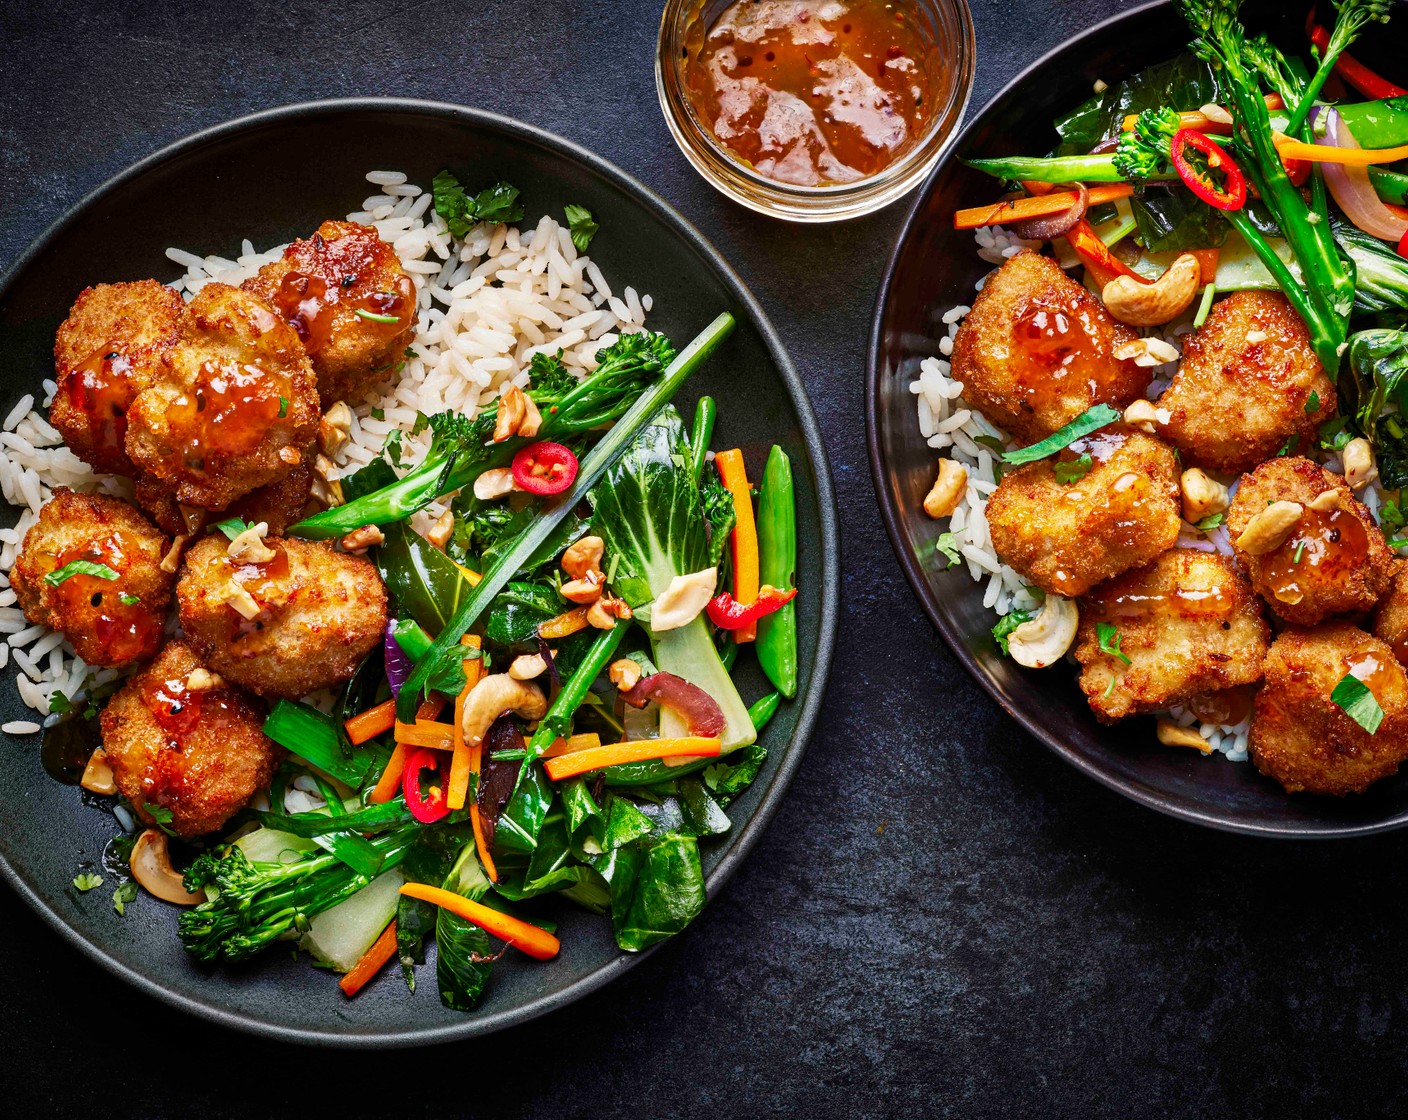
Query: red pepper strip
x,y
544,468
1102,265
727,613
1232,195
1355,72
425,809
1403,245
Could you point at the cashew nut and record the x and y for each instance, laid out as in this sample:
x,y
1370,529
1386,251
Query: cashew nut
x,y
492,697
1202,496
584,590
291,455
1325,502
1173,735
624,674
1043,640
1359,466
532,418
150,863
203,680
583,556
327,487
495,483
1150,305
359,540
512,412
335,428
1147,352
605,611
526,666
947,490
444,528
240,600
249,548
172,560
680,603
97,775
1145,416
1269,529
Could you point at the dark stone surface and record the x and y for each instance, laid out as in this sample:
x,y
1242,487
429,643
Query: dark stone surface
x,y
942,919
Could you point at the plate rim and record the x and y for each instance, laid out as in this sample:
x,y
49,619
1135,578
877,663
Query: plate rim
x,y
483,1024
918,582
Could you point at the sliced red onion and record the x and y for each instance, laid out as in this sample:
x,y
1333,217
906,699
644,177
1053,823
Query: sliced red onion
x,y
1044,229
398,665
497,777
696,707
1350,186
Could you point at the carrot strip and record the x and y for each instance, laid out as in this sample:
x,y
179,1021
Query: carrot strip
x,y
481,844
615,754
537,943
389,784
425,733
459,765
382,950
473,577
744,537
1020,209
576,743
1347,157
564,625
1207,263
1199,121
367,725
1102,265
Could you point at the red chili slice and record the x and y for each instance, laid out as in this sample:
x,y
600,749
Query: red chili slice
x,y
727,613
1232,195
544,468
427,807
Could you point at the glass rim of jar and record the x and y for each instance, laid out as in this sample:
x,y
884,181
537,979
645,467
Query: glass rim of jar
x,y
828,202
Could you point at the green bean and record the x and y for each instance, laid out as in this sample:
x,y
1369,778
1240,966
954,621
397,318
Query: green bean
x,y
777,567
763,710
705,414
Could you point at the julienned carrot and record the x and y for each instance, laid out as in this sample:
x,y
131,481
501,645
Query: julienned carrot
x,y
1199,121
382,950
460,763
1102,265
745,535
365,726
1020,209
1348,157
1207,263
425,733
615,754
564,625
537,943
481,843
576,743
389,784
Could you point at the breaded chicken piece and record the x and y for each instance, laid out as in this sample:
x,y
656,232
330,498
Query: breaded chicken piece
x,y
345,293
1333,561
109,349
310,614
234,406
277,505
1248,382
1037,350
1186,624
109,621
180,739
1066,537
1391,618
1306,741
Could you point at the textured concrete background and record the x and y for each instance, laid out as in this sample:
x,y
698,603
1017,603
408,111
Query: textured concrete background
x,y
942,920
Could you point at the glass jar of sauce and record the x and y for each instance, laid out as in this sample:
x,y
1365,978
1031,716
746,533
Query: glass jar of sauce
x,y
814,110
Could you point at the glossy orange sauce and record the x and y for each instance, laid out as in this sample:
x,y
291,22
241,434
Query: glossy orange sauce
x,y
1061,337
1323,546
1226,707
126,631
811,92
230,408
1372,669
173,705
99,388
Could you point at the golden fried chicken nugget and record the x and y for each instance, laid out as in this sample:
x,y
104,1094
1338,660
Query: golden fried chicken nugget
x,y
300,620
1331,560
1391,618
1185,624
1066,537
1249,381
107,351
180,739
1037,350
234,406
277,505
345,293
91,567
1306,741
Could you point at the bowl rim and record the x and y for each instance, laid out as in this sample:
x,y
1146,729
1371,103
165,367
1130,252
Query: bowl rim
x,y
750,831
918,582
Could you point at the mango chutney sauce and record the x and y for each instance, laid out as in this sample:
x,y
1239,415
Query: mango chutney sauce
x,y
812,92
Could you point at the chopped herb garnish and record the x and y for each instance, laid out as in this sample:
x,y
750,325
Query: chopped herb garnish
x,y
1108,636
947,544
498,203
159,813
579,221
421,423
1289,447
1211,521
378,414
60,703
1299,552
233,527
124,894
1358,703
1006,624
79,568
1088,421
1073,470
992,443
1334,434
283,407
371,316
1312,404
1109,688
1391,515
86,881
129,600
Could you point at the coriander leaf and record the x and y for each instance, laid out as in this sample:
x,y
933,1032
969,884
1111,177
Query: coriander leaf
x,y
1088,421
451,203
79,568
128,600
579,221
1334,434
1109,637
1211,521
1073,470
948,545
1312,404
498,203
1289,447
1354,697
233,527
86,881
124,894
283,407
1006,624
378,414
1391,515
60,704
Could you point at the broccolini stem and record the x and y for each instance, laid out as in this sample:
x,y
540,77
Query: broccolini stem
x,y
1055,169
558,720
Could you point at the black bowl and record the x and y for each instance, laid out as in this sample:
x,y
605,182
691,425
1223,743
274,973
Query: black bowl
x,y
932,269
271,177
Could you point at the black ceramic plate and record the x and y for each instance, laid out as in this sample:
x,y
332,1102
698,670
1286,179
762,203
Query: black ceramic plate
x,y
932,269
272,177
